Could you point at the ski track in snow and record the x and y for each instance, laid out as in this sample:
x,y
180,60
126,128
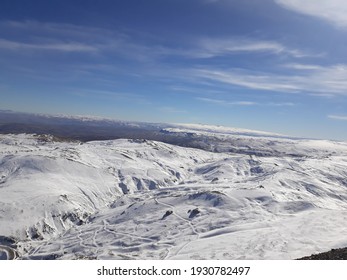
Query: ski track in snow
x,y
129,199
183,219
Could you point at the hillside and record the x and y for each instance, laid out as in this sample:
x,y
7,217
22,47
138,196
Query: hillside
x,y
244,195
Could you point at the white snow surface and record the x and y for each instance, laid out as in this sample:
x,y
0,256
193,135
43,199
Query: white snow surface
x,y
138,199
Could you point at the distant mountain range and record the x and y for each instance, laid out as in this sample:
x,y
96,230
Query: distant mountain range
x,y
89,128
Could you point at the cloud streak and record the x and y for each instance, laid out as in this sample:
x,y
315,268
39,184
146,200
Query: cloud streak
x,y
312,79
205,48
58,46
247,79
333,11
208,48
243,103
339,118
73,38
46,36
224,102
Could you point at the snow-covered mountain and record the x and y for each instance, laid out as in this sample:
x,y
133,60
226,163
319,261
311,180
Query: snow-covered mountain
x,y
241,195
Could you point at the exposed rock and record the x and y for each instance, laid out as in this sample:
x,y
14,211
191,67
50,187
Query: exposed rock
x,y
334,254
193,213
168,213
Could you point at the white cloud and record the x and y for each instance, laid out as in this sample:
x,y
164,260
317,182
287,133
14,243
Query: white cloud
x,y
298,66
56,30
220,46
259,81
281,104
58,46
216,47
64,37
243,103
329,80
224,102
340,118
333,11
74,38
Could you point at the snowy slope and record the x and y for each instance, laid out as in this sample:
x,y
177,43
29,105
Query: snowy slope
x,y
225,139
131,199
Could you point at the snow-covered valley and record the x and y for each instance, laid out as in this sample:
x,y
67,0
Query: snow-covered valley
x,y
141,199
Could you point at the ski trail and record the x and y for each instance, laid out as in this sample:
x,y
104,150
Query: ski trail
x,y
115,232
183,219
95,243
81,240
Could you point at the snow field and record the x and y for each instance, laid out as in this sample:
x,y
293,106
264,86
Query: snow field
x,y
137,199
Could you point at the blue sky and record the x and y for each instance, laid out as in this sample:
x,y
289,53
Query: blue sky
x,y
273,65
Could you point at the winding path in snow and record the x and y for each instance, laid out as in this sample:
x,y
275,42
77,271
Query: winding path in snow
x,y
183,219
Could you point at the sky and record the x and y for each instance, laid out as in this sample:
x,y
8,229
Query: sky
x,y
272,65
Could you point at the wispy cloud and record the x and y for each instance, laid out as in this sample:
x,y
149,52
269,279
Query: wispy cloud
x,y
312,79
73,38
62,37
50,37
248,79
58,46
47,36
281,104
243,103
201,48
333,11
298,66
224,102
198,90
336,117
57,30
208,47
